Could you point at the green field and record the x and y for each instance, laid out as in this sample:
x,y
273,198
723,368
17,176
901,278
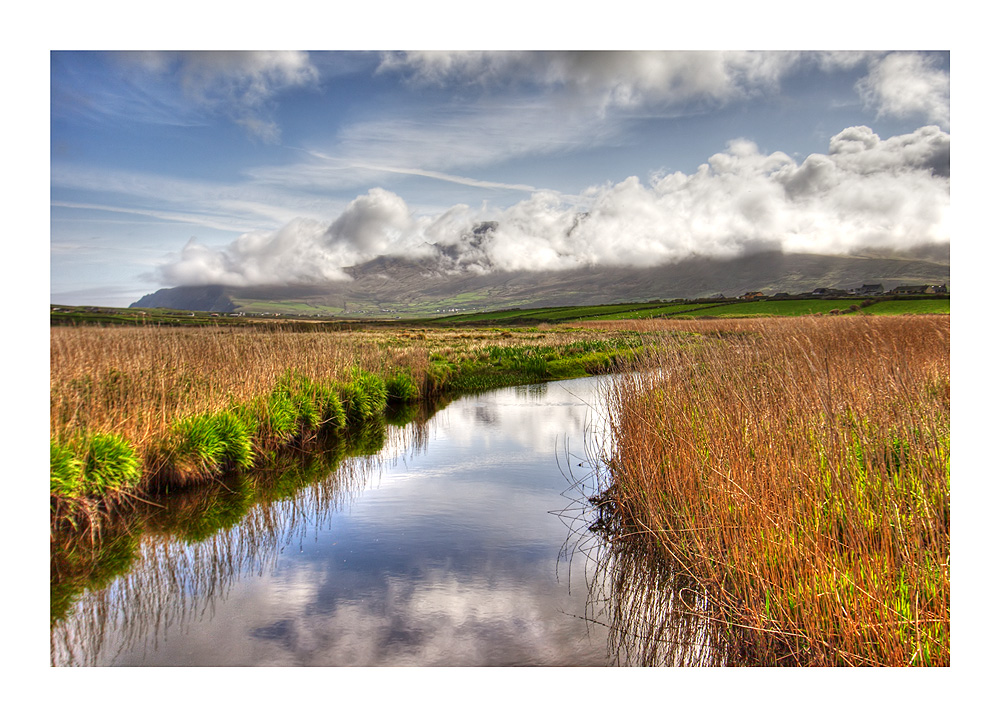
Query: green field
x,y
730,309
562,313
888,306
804,307
913,306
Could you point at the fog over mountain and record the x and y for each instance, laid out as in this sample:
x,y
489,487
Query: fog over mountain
x,y
865,194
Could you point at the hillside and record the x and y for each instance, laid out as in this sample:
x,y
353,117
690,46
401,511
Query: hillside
x,y
399,287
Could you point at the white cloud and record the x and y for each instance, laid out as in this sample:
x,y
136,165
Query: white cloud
x,y
861,150
295,252
907,84
865,193
606,79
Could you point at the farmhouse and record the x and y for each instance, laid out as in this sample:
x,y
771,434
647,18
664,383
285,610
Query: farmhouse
x,y
870,290
823,291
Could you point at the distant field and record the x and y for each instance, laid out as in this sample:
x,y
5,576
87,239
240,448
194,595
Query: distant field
x,y
565,313
615,312
913,306
646,312
793,307
609,312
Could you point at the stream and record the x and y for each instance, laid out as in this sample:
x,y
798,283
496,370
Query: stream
x,y
452,545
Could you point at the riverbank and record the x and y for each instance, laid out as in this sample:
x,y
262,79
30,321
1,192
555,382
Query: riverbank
x,y
137,411
795,476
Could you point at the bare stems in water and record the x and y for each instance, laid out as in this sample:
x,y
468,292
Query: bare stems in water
x,y
795,475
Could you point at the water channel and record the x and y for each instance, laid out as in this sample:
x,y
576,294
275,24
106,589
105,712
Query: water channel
x,y
450,546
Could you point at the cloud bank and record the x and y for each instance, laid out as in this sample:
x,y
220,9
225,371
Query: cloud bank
x,y
623,79
865,193
899,84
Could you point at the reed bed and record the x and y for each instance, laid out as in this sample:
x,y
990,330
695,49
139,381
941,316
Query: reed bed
x,y
796,473
138,381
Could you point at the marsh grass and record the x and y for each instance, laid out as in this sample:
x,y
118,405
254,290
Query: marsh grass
x,y
402,388
200,447
797,472
94,466
365,397
191,404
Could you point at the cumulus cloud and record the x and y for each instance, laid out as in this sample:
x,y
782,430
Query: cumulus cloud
x,y
906,84
240,85
864,193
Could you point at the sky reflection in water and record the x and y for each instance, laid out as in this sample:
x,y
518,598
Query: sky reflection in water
x,y
447,557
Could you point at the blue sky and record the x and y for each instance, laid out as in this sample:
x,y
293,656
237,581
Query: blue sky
x,y
172,168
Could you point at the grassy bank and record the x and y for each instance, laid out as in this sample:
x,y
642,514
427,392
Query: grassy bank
x,y
200,516
796,474
139,410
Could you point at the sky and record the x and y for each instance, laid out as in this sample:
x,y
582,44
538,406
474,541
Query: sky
x,y
244,167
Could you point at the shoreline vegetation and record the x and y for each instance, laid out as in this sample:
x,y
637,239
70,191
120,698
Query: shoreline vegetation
x,y
794,479
791,474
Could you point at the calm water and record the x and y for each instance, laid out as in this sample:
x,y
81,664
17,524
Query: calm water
x,y
443,549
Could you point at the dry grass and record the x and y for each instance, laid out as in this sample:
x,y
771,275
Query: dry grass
x,y
136,382
797,471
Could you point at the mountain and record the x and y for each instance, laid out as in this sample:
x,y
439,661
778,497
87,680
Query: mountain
x,y
402,287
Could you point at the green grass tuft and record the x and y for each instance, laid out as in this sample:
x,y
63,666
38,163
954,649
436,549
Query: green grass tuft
x,y
65,471
401,388
365,397
110,464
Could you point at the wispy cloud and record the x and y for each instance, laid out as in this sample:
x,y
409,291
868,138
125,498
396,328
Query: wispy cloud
x,y
430,174
187,218
238,85
234,207
475,134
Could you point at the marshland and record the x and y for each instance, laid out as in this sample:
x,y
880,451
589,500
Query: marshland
x,y
771,491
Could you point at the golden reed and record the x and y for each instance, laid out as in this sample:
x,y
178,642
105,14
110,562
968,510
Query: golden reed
x,y
797,471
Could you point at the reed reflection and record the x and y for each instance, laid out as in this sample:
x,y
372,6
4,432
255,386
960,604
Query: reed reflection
x,y
655,613
170,562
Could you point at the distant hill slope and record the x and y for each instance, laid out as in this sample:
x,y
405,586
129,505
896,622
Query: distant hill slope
x,y
189,298
394,286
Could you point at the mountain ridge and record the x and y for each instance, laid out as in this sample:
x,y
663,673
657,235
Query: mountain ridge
x,y
399,286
